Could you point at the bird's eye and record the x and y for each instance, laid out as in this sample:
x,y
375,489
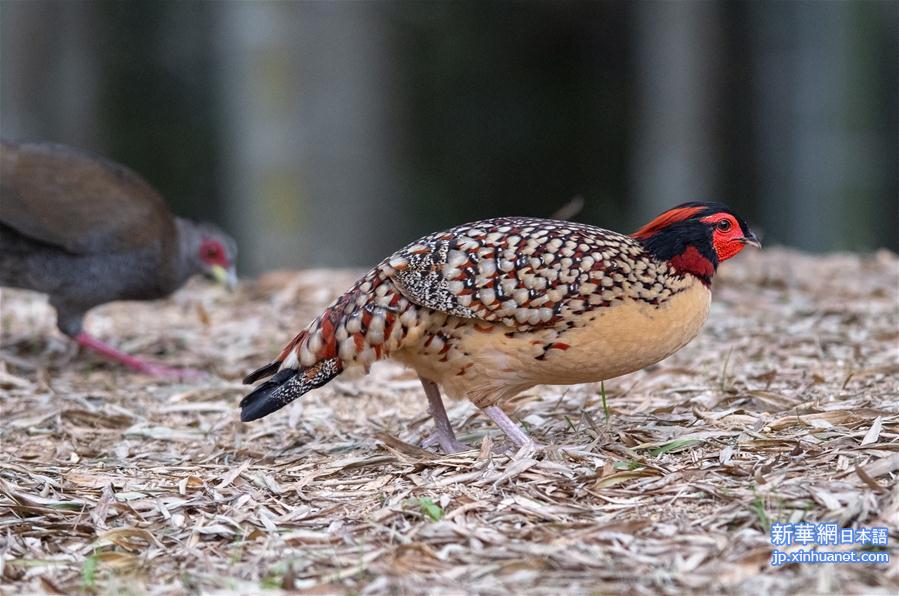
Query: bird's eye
x,y
723,225
212,251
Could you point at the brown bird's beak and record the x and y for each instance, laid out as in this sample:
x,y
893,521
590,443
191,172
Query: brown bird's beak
x,y
751,240
226,277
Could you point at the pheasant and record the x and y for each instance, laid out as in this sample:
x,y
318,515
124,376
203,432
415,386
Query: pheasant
x,y
88,231
489,309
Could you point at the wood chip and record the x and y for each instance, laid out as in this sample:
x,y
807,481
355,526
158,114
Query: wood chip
x,y
169,492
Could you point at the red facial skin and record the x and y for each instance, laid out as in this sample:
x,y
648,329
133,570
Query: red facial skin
x,y
727,239
727,236
213,253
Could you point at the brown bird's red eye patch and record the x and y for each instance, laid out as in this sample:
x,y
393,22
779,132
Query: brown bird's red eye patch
x,y
666,219
212,252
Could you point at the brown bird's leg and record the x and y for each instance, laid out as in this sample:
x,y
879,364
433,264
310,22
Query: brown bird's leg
x,y
134,363
445,435
509,426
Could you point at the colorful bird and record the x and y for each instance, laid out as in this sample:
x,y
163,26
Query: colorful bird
x,y
87,231
488,309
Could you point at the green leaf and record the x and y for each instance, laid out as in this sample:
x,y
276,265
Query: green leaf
x,y
675,445
89,571
627,465
605,406
757,506
431,509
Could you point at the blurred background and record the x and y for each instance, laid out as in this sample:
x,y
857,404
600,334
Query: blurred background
x,y
332,133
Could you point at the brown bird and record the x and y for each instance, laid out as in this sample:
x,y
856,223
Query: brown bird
x,y
87,231
489,309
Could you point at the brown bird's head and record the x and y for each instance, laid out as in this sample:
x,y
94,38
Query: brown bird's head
x,y
209,250
694,237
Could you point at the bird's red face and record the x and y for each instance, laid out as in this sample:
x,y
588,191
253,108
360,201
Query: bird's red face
x,y
727,235
213,253
695,237
217,261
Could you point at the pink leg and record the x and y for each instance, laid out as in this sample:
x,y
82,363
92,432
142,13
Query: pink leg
x,y
445,435
508,426
136,364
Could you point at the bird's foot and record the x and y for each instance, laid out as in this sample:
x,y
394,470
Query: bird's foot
x,y
447,444
515,433
134,363
528,448
455,446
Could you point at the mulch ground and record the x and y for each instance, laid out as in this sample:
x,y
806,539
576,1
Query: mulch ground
x,y
785,408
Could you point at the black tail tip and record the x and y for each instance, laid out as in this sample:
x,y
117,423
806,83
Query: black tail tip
x,y
263,401
259,408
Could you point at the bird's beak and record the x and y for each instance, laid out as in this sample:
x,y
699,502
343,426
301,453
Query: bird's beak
x,y
226,277
751,240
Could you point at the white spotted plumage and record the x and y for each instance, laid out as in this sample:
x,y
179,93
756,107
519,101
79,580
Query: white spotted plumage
x,y
517,274
487,309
